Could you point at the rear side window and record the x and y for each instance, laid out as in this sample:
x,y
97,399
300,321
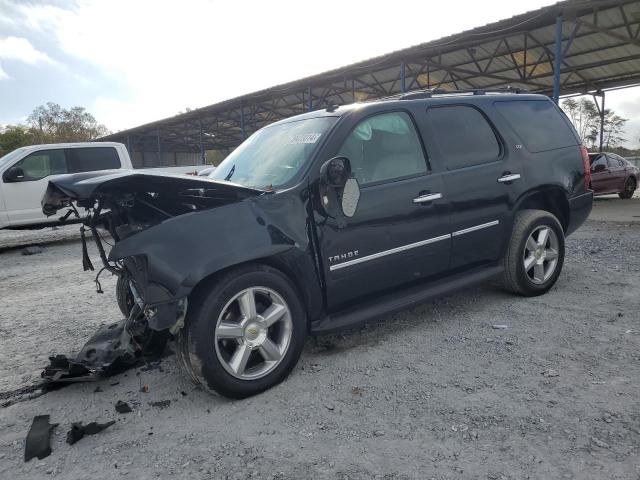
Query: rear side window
x,y
598,162
463,136
538,124
91,159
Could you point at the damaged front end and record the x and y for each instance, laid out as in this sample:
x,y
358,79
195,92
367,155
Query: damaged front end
x,y
124,205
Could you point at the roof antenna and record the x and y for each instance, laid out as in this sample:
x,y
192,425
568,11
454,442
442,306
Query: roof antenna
x,y
332,107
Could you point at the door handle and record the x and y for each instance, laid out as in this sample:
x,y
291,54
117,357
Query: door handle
x,y
509,177
428,197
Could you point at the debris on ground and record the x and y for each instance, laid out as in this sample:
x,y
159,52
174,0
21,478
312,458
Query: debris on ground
x,y
38,443
78,430
61,369
550,372
500,327
113,349
31,250
123,407
160,404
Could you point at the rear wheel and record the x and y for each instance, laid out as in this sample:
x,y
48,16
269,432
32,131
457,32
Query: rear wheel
x,y
243,334
629,189
535,253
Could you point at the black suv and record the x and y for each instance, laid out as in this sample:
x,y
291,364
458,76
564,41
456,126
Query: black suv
x,y
331,218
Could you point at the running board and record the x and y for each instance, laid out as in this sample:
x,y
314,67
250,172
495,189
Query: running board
x,y
401,300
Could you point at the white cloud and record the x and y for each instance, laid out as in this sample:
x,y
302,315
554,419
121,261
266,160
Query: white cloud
x,y
3,74
20,49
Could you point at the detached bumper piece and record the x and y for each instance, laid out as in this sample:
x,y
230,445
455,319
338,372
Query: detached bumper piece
x,y
112,349
38,443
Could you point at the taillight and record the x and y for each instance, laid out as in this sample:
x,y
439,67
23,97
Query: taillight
x,y
587,167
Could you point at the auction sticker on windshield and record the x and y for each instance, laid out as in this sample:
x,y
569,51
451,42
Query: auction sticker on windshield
x,y
304,138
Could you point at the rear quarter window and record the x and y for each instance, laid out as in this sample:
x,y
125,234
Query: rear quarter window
x,y
538,123
91,159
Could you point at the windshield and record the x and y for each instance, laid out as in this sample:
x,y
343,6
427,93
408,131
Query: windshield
x,y
11,155
273,156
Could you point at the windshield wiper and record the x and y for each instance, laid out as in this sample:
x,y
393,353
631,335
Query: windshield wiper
x,y
230,174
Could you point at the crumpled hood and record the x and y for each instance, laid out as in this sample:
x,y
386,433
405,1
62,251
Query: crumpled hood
x,y
86,188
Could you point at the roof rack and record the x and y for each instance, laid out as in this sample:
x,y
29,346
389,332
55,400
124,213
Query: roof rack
x,y
475,91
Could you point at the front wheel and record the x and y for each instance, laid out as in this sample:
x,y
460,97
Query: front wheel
x,y
124,296
535,254
244,332
629,189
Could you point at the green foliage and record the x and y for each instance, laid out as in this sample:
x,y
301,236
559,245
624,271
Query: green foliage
x,y
51,123
585,117
14,136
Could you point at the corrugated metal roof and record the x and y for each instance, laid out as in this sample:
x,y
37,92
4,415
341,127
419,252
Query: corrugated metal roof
x,y
601,49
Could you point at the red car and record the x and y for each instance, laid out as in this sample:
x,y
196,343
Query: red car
x,y
610,173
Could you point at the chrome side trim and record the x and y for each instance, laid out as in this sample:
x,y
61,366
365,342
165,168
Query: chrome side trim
x,y
388,252
477,227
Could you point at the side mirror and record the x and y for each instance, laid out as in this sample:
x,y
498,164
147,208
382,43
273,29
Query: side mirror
x,y
599,168
13,174
337,185
335,172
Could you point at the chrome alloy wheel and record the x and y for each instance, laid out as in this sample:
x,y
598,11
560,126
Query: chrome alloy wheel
x,y
541,254
253,333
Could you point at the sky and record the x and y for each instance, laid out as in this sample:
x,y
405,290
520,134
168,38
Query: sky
x,y
131,62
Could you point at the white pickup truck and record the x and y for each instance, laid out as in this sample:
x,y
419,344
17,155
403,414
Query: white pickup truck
x,y
25,174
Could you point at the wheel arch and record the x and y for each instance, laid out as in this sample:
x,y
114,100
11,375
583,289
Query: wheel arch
x,y
303,280
552,199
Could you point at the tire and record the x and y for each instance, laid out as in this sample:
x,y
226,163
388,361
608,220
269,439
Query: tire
x,y
182,354
229,347
629,188
520,254
124,296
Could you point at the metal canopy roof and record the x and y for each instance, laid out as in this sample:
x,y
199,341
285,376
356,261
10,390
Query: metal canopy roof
x,y
599,48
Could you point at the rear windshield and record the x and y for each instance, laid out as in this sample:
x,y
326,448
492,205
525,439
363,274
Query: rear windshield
x,y
538,123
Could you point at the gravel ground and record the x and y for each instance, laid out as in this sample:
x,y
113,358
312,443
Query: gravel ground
x,y
434,392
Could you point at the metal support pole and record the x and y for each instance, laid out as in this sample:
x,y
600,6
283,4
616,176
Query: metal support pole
x,y
159,150
202,156
242,122
602,123
403,85
309,100
558,60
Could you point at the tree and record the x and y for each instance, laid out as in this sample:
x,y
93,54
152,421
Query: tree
x,y
14,136
585,117
613,130
51,123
